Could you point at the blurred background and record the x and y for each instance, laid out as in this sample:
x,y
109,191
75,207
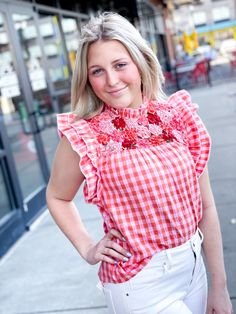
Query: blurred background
x,y
194,40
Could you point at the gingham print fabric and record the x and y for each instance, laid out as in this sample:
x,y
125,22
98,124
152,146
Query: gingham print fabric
x,y
150,194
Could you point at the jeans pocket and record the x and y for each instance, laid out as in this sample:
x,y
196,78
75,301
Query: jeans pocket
x,y
117,297
156,268
109,301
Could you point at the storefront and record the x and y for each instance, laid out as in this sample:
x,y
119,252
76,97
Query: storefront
x,y
218,34
37,48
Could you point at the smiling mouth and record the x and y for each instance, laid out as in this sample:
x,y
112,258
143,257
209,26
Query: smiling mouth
x,y
116,90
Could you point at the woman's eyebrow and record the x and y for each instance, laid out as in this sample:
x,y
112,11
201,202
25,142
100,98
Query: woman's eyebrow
x,y
120,59
93,66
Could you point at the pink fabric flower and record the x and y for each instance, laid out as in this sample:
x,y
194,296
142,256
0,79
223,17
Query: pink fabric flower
x,y
143,132
117,136
106,126
143,120
155,129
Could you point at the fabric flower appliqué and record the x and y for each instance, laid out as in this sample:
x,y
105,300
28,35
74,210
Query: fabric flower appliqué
x,y
155,126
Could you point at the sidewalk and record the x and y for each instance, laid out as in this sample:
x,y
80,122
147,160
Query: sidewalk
x,y
43,273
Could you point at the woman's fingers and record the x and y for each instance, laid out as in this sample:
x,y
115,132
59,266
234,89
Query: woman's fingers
x,y
107,259
110,251
115,233
118,256
118,248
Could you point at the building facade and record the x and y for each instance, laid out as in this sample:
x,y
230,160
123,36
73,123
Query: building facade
x,y
213,20
38,42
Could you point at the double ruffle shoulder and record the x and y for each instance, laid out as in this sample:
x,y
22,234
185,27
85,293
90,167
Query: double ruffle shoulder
x,y
197,136
84,143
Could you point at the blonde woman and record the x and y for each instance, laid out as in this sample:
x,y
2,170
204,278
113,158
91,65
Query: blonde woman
x,y
143,157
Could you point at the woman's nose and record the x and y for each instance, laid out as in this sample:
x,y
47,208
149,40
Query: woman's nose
x,y
112,78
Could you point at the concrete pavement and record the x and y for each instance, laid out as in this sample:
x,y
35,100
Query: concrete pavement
x,y
42,273
218,111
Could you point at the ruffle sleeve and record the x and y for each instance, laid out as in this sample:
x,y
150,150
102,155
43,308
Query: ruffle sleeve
x,y
197,136
84,144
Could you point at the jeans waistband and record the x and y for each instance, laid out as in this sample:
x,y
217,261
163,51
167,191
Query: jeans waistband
x,y
193,242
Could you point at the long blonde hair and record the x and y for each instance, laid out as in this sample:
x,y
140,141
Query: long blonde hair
x,y
112,26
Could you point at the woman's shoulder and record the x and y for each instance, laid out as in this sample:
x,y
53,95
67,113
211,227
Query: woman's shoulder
x,y
76,128
182,101
69,118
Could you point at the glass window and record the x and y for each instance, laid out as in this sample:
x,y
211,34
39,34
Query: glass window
x,y
199,18
13,109
53,48
221,13
71,33
42,105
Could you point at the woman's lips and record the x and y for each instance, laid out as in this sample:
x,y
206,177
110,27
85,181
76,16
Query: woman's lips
x,y
116,91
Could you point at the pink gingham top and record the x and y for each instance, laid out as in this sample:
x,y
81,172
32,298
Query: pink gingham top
x,y
141,168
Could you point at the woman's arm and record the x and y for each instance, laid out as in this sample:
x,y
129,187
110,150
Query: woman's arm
x,y
218,300
65,180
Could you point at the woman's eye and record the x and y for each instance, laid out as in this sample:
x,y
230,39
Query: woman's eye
x,y
120,65
96,72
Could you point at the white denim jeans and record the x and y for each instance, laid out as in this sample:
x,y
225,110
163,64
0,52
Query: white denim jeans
x,y
173,282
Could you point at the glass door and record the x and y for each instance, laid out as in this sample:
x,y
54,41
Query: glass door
x,y
16,118
44,109
11,217
25,104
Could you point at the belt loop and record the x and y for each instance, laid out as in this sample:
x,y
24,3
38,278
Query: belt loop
x,y
200,234
169,257
193,242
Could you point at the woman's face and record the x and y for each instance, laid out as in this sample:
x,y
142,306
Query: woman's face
x,y
113,75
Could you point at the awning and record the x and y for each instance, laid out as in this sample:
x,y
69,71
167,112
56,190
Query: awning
x,y
216,26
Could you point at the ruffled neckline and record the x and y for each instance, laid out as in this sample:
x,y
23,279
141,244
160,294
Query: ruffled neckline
x,y
128,112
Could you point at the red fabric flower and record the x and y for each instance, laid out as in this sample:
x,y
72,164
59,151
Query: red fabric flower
x,y
167,128
167,136
128,144
119,123
156,139
130,137
130,134
103,139
153,118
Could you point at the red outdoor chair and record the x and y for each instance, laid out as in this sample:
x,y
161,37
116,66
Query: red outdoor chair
x,y
200,72
169,78
233,60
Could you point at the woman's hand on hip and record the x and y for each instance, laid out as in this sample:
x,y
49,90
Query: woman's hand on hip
x,y
108,250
